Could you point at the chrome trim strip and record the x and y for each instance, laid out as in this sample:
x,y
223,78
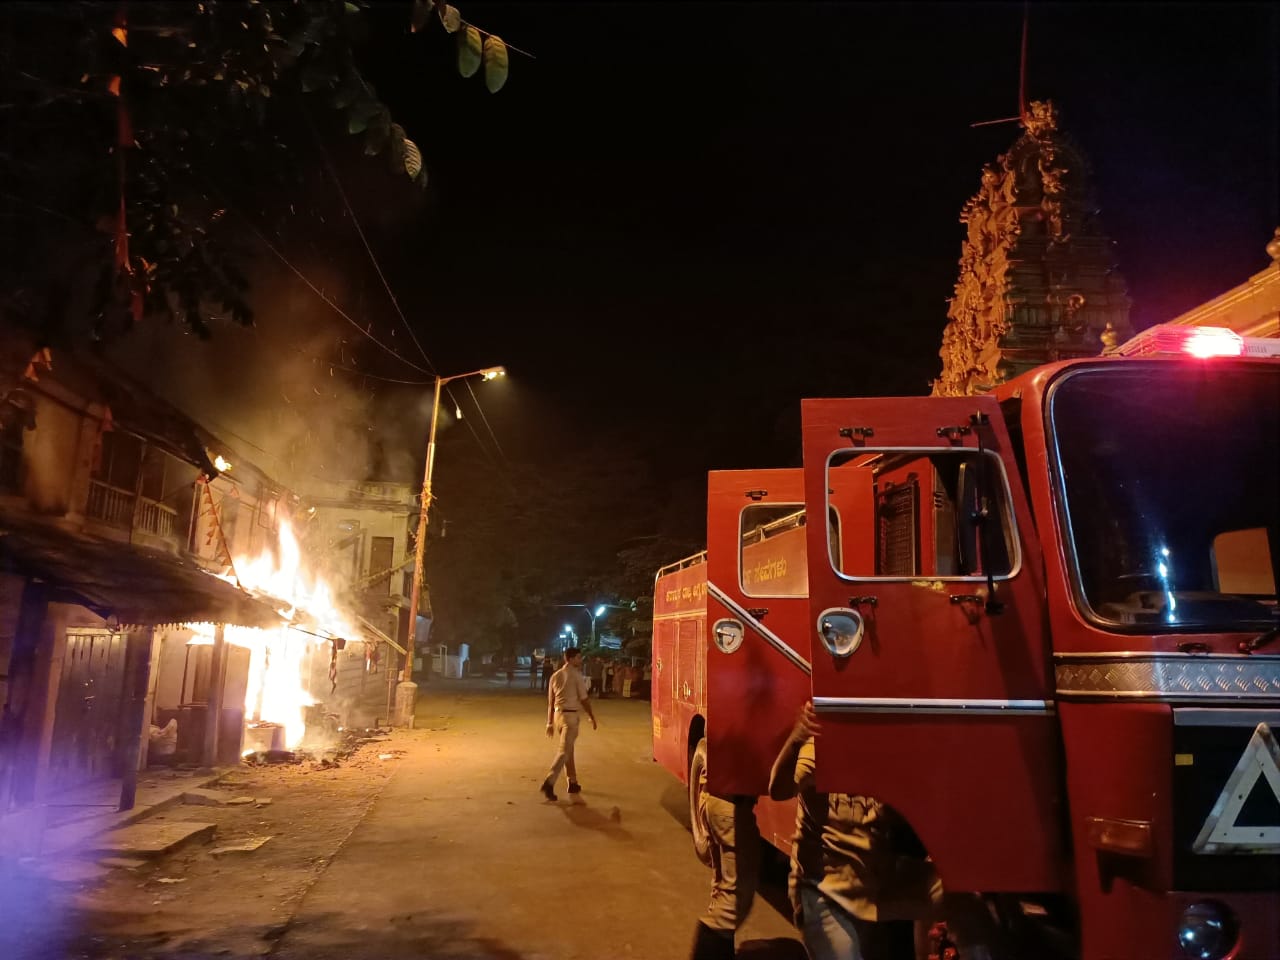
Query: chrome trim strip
x,y
770,637
1230,717
1171,678
1149,655
932,706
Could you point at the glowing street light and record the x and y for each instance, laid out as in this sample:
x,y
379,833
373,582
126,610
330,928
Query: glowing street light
x,y
594,614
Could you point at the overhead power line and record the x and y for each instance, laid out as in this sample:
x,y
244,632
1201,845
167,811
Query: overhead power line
x,y
355,220
323,296
333,174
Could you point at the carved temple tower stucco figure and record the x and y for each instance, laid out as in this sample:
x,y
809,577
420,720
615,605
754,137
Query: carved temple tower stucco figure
x,y
1038,279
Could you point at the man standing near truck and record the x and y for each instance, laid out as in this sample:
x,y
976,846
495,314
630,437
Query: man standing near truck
x,y
856,894
735,870
848,884
567,698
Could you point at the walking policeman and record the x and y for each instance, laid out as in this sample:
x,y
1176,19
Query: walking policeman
x,y
567,699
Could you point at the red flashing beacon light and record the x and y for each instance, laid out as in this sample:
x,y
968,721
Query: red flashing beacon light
x,y
1202,343
1177,340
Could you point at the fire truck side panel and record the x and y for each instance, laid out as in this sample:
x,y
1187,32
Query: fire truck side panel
x,y
777,822
756,569
1134,785
944,708
678,699
668,744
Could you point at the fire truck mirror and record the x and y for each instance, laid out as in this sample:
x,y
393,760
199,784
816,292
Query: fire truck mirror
x,y
728,635
841,631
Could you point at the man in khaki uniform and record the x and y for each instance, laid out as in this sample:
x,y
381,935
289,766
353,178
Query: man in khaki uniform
x,y
854,896
567,699
735,870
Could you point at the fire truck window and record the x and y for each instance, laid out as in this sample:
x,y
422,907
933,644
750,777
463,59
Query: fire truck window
x,y
772,562
1167,475
936,513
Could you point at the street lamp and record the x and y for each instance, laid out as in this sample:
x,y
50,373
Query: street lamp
x,y
405,704
594,614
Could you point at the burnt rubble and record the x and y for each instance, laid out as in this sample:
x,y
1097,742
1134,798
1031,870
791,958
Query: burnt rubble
x,y
324,751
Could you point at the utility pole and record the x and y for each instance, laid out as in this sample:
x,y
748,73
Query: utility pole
x,y
407,690
420,543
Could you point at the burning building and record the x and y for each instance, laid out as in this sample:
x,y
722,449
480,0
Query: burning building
x,y
149,573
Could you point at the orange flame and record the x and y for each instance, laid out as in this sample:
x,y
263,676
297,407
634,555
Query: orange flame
x,y
279,658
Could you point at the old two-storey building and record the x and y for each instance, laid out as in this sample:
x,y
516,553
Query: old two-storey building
x,y
101,561
150,573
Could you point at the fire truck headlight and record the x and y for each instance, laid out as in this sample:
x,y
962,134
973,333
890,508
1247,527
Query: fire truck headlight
x,y
728,635
1208,931
841,631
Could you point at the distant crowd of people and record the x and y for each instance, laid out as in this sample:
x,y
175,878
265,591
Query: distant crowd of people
x,y
604,677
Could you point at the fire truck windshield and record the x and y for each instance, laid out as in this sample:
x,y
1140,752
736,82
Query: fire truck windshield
x,y
1169,475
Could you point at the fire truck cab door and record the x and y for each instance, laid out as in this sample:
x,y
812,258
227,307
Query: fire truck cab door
x,y
932,688
757,606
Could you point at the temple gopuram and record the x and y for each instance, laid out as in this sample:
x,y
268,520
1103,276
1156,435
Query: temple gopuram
x,y
1038,279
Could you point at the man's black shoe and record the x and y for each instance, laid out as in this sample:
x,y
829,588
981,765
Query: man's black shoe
x,y
575,788
547,791
710,945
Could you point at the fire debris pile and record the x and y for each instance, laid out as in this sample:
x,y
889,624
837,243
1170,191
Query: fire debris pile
x,y
323,751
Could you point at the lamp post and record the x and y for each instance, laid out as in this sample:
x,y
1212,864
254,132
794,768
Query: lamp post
x,y
596,612
406,691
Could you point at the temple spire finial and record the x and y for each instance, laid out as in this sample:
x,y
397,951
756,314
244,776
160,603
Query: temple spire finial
x,y
1022,64
1037,277
1022,79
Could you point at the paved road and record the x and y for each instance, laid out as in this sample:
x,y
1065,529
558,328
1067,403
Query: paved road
x,y
460,858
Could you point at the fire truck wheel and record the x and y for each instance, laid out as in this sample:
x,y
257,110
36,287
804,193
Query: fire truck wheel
x,y
698,803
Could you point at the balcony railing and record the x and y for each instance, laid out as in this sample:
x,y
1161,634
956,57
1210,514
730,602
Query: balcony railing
x,y
124,508
156,518
110,504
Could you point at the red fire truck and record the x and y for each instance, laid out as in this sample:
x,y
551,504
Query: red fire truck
x,y
1041,623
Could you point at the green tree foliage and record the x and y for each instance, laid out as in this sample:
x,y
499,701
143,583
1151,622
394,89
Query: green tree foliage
x,y
164,106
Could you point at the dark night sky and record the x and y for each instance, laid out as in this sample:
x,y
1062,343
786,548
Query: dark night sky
x,y
681,218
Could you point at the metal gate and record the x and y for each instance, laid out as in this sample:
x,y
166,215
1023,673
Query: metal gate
x,y
87,720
